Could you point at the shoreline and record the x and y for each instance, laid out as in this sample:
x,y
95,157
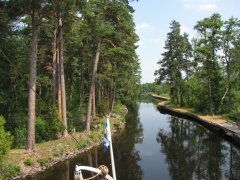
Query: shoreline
x,y
68,155
67,145
225,128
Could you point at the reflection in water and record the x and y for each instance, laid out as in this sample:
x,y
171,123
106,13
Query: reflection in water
x,y
126,157
125,154
187,151
193,152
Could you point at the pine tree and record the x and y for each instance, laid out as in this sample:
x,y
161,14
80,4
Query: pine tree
x,y
209,43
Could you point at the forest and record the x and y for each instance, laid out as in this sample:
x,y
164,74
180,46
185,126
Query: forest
x,y
62,64
203,73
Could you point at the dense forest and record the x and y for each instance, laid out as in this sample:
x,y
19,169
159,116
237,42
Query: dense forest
x,y
63,63
203,73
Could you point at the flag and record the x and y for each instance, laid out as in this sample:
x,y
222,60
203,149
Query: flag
x,y
106,139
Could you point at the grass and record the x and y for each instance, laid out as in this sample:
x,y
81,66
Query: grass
x,y
28,162
19,161
218,119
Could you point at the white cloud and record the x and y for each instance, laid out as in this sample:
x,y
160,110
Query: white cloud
x,y
207,7
142,26
200,5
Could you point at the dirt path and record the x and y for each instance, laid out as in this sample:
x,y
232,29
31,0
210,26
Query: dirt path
x,y
226,128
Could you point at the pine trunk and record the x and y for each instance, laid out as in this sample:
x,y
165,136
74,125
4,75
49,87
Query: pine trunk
x,y
94,102
93,77
59,80
54,69
63,97
30,146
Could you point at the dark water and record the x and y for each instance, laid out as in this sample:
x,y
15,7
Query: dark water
x,y
155,146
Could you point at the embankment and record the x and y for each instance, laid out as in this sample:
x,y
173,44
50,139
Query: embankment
x,y
51,153
225,128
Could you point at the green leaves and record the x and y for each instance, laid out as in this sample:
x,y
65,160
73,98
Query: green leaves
x,y
5,140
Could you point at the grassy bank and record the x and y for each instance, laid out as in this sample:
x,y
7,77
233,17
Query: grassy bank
x,y
20,162
216,123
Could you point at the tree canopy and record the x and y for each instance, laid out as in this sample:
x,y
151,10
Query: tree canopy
x,y
47,51
203,73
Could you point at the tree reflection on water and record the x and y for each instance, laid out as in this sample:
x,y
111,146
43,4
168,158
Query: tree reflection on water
x,y
192,152
126,155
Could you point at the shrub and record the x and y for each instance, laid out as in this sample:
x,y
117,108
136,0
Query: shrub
x,y
40,129
28,162
57,152
9,170
5,140
20,137
43,161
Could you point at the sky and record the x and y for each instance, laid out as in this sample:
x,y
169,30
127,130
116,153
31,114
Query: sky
x,y
152,19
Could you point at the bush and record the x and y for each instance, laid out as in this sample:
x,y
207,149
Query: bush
x,y
57,152
48,127
40,130
20,137
9,170
43,161
28,162
5,140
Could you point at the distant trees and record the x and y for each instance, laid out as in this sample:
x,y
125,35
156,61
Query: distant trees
x,y
65,38
206,69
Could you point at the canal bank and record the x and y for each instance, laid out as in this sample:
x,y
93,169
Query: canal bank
x,y
226,128
51,153
158,146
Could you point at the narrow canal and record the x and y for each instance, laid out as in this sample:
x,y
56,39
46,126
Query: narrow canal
x,y
156,146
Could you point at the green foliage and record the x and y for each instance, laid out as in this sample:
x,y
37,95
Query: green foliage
x,y
160,89
41,127
28,162
9,170
197,74
43,161
82,144
20,137
118,76
57,152
47,129
175,62
102,107
5,140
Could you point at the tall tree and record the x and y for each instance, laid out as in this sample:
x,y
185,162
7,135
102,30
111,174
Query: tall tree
x,y
229,37
209,43
100,18
172,62
30,146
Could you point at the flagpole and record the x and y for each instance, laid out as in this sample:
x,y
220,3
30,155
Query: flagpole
x,y
111,150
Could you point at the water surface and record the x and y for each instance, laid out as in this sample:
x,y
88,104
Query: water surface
x,y
157,146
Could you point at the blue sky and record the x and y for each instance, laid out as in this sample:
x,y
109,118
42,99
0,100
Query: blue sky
x,y
152,18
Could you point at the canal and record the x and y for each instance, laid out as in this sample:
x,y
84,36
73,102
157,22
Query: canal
x,y
156,146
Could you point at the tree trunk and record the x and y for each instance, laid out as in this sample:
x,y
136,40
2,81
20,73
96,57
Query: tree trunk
x,y
64,111
94,102
93,77
30,146
229,83
59,80
54,68
112,98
